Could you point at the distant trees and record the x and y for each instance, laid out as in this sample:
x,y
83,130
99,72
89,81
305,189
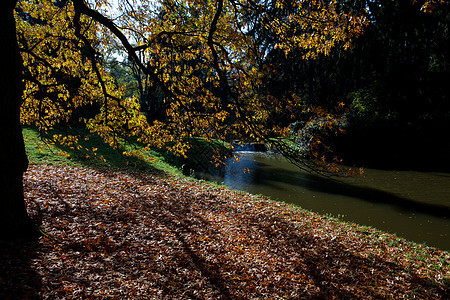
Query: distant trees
x,y
393,80
402,98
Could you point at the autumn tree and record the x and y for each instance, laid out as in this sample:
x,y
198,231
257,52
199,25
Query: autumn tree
x,y
14,219
204,56
207,60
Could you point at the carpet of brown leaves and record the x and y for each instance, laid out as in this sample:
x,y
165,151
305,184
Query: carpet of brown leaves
x,y
150,236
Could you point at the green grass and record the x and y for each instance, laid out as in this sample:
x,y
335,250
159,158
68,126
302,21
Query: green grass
x,y
39,152
200,156
91,151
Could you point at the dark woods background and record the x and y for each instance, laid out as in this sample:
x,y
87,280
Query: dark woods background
x,y
395,79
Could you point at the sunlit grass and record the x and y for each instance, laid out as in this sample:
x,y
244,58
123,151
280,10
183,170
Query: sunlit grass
x,y
91,151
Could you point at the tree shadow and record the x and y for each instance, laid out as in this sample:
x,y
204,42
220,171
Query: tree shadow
x,y
155,242
319,261
173,218
18,280
338,272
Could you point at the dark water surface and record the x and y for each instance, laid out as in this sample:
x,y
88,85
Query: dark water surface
x,y
413,205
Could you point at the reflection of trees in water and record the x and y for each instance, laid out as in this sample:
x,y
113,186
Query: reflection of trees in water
x,y
242,173
270,171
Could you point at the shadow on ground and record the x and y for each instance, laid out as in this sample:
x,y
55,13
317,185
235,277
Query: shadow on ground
x,y
18,280
134,236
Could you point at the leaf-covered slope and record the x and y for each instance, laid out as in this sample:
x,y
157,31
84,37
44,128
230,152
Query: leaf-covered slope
x,y
137,235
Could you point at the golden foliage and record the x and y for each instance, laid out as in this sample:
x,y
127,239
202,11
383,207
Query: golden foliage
x,y
203,57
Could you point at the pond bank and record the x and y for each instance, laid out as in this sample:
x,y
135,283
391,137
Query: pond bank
x,y
136,234
411,204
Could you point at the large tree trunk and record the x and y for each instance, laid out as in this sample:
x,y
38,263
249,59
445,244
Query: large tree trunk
x,y
14,221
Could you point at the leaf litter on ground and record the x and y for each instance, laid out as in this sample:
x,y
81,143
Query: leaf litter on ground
x,y
142,235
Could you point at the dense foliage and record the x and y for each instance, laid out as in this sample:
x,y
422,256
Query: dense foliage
x,y
201,63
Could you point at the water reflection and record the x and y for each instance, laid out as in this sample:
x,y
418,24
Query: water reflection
x,y
413,205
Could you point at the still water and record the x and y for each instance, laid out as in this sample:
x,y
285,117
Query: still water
x,y
413,205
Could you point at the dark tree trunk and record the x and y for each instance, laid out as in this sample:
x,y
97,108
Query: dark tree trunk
x,y
14,221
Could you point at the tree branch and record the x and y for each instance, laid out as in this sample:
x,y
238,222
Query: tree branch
x,y
81,7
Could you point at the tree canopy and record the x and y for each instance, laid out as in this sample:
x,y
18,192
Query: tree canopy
x,y
207,58
208,64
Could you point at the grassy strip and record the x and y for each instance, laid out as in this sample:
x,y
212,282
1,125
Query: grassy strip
x,y
203,156
91,151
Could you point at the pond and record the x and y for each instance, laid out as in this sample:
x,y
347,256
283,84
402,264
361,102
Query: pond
x,y
413,205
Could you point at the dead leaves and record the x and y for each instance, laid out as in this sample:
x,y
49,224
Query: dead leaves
x,y
139,235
